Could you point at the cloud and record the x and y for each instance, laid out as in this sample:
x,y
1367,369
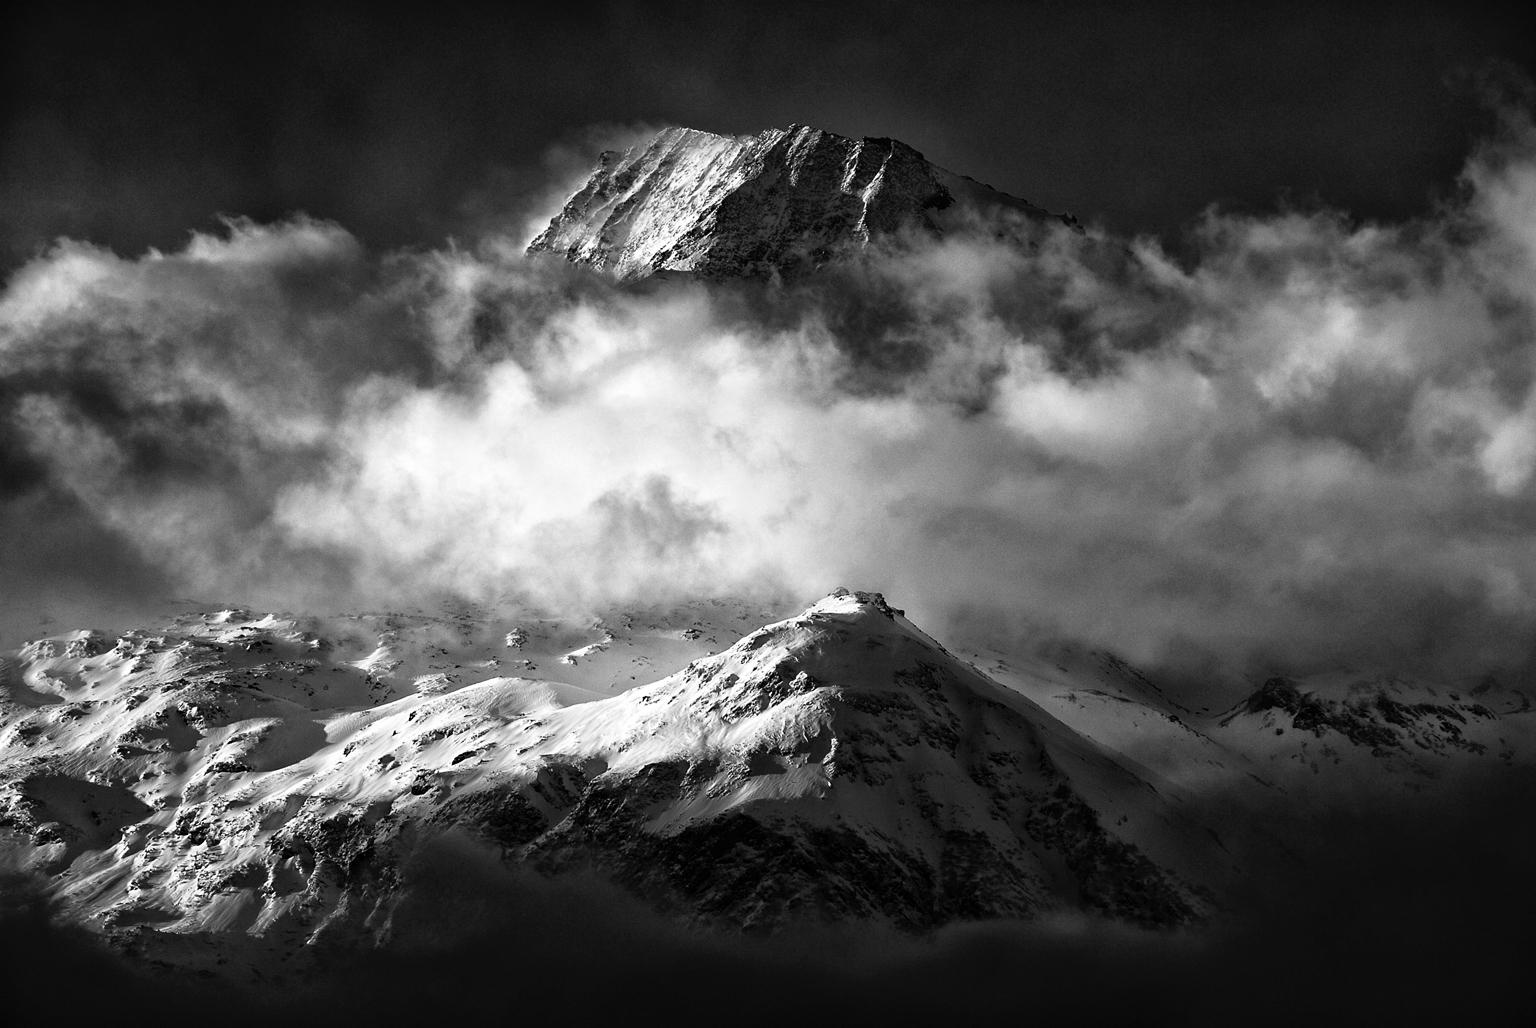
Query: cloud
x,y
1311,444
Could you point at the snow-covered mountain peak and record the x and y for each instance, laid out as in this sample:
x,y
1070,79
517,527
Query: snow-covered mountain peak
x,y
772,203
847,642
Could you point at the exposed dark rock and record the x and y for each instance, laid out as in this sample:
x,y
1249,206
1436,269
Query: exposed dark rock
x,y
1375,720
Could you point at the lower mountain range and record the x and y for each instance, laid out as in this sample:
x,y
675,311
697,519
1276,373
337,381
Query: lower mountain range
x,y
243,797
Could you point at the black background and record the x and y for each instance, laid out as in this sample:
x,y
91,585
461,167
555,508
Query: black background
x,y
129,125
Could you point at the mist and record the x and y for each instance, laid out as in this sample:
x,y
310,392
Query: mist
x,y
1308,443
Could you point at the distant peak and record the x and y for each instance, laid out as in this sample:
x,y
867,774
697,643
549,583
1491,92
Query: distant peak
x,y
776,203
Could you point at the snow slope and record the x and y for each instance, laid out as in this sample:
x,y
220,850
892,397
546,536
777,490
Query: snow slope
x,y
1317,738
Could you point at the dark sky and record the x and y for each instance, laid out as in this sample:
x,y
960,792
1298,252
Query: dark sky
x,y
129,125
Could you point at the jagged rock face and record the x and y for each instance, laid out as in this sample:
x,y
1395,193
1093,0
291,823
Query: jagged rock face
x,y
836,765
783,200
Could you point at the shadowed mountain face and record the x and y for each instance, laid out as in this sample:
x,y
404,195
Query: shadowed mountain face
x,y
783,200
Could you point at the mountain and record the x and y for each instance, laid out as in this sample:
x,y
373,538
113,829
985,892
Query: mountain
x,y
243,777
774,203
239,788
1363,727
1302,741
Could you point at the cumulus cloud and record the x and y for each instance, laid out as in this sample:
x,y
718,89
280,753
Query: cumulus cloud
x,y
1311,444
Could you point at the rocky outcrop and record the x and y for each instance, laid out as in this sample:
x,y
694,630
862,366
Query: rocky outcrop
x,y
775,203
1371,719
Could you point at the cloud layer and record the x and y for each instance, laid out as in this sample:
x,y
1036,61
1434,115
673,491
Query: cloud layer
x,y
1311,444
